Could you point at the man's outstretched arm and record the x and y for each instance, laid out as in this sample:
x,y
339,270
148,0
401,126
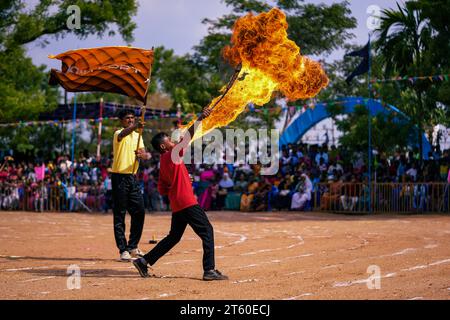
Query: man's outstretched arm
x,y
205,114
179,149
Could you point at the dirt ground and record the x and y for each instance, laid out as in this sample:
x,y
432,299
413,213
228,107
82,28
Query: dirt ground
x,y
278,256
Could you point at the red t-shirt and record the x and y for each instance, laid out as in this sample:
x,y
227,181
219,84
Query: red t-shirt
x,y
175,182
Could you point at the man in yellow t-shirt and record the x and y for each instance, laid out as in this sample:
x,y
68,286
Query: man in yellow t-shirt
x,y
126,191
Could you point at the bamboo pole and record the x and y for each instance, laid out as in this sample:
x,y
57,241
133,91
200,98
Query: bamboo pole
x,y
140,137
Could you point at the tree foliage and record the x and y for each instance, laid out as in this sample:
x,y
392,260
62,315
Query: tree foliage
x,y
316,28
410,44
49,17
24,89
187,82
390,131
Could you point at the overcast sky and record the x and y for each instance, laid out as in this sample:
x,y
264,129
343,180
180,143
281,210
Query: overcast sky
x,y
176,24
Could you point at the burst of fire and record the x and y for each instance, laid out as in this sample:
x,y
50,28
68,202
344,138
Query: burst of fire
x,y
270,62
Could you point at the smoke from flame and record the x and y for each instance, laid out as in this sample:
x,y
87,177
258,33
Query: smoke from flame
x,y
270,62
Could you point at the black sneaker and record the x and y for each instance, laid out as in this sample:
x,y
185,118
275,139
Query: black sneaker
x,y
141,266
214,275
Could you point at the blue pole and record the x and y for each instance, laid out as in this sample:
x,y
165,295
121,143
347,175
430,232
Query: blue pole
x,y
370,132
74,122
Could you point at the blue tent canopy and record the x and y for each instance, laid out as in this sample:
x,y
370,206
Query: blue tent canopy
x,y
311,117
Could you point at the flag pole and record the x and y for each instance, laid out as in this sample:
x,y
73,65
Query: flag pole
x,y
140,133
370,130
99,136
74,120
143,117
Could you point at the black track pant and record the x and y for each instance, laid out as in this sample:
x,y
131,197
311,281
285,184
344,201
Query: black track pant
x,y
197,219
127,195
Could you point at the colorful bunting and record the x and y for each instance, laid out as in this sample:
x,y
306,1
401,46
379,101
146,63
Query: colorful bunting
x,y
440,77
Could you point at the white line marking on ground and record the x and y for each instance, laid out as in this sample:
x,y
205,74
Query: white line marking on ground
x,y
165,295
38,279
180,261
402,252
256,252
295,272
301,242
46,267
331,266
389,275
360,281
273,261
242,237
245,280
415,268
299,296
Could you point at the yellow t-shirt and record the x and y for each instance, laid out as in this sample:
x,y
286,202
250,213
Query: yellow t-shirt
x,y
124,155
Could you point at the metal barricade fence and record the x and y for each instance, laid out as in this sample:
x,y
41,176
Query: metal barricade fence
x,y
50,198
330,197
384,197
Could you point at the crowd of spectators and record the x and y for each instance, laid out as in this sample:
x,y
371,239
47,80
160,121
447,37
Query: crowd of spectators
x,y
335,177
22,187
305,172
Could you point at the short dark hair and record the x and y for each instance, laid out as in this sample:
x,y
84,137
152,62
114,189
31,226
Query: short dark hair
x,y
124,112
157,140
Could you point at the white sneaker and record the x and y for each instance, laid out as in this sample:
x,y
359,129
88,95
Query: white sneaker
x,y
137,253
125,256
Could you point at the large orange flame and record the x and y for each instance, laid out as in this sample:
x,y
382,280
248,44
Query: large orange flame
x,y
270,62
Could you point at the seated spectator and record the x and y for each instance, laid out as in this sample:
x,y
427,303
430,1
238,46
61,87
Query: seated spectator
x,y
322,166
260,200
282,199
350,194
322,154
330,199
420,193
247,197
335,168
412,172
225,185
241,184
302,193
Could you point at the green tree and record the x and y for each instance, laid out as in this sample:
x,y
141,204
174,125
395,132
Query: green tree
x,y
405,39
390,131
316,28
107,97
436,14
187,82
24,89
49,17
31,141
